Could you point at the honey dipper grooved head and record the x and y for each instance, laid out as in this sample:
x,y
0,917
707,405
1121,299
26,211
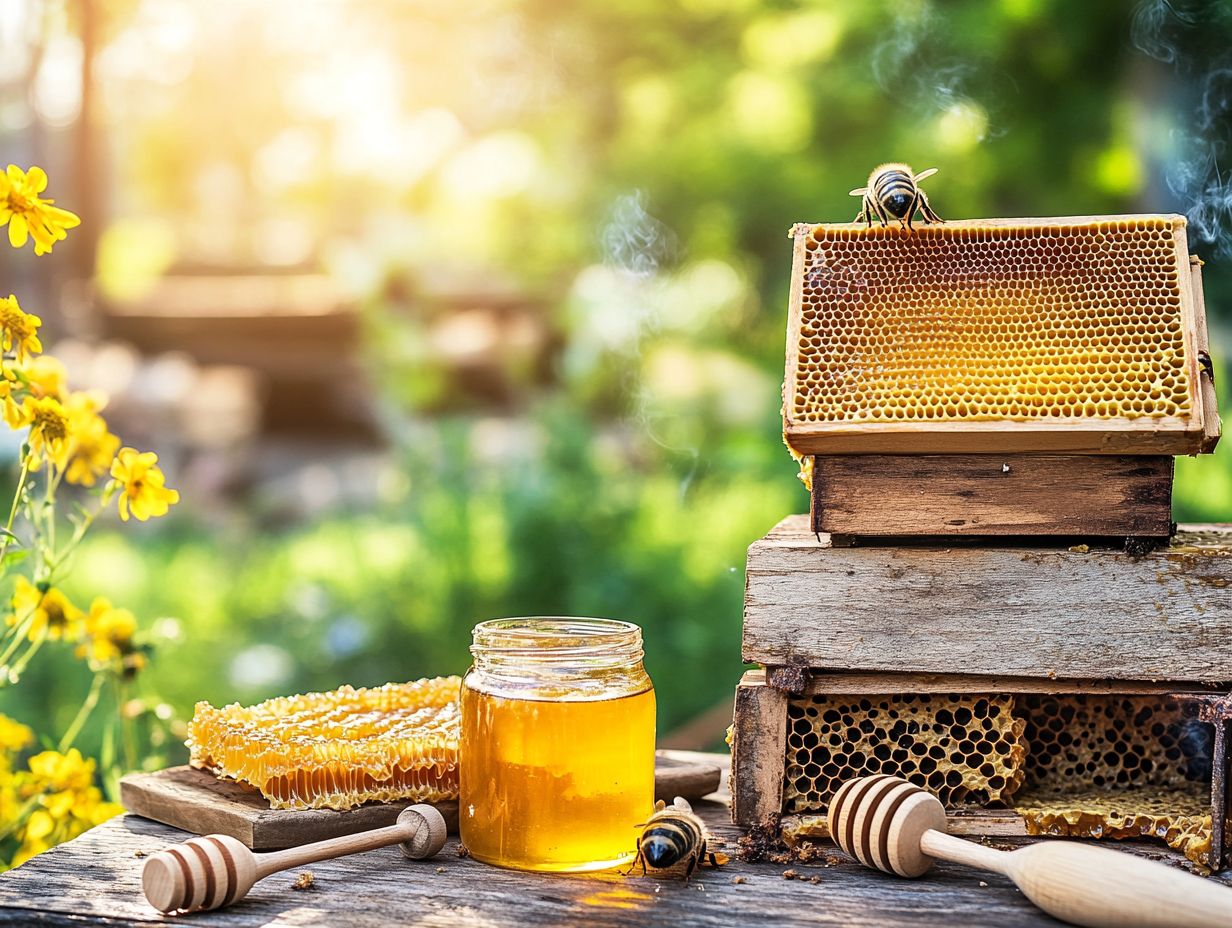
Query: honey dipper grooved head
x,y
879,820
201,873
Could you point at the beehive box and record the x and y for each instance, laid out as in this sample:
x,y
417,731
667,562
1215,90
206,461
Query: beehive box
x,y
1019,609
1074,335
1006,756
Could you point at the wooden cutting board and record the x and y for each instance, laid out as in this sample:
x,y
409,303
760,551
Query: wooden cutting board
x,y
199,802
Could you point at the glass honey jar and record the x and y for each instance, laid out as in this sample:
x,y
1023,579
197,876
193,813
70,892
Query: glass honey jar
x,y
557,753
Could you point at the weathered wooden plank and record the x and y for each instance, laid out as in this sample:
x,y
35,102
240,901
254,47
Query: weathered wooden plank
x,y
1076,495
997,611
759,744
841,683
1212,428
201,803
95,880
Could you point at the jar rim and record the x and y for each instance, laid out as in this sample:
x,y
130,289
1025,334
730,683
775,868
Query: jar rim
x,y
555,637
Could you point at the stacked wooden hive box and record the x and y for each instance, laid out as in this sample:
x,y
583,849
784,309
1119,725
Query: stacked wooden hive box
x,y
989,596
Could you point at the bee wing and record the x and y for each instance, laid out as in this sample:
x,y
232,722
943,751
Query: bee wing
x,y
923,174
682,804
858,192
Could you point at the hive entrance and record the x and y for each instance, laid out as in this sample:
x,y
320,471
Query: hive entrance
x,y
1065,763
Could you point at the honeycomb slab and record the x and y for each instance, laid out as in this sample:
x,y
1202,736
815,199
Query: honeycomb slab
x,y
339,749
1096,766
1053,334
964,749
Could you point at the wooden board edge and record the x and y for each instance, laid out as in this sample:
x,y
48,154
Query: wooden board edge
x,y
1173,435
759,752
1013,222
795,303
1212,427
145,795
855,683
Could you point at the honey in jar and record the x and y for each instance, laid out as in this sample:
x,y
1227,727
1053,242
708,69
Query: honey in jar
x,y
557,750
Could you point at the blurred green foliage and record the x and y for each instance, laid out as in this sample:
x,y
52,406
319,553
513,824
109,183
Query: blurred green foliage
x,y
630,171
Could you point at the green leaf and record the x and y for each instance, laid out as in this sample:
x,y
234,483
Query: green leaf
x,y
15,557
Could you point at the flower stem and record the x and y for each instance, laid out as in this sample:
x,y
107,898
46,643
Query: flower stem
x,y
20,629
8,526
58,558
96,689
20,664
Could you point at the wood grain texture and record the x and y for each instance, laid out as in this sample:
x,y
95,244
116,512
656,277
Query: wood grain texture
x,y
997,611
841,683
759,745
871,495
1211,426
95,880
201,803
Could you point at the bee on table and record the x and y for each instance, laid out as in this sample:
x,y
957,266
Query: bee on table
x,y
674,835
893,191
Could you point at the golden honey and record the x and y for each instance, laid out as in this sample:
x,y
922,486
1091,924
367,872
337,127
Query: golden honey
x,y
558,730
1071,319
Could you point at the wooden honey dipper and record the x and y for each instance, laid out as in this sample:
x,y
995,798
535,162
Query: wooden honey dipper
x,y
216,870
895,826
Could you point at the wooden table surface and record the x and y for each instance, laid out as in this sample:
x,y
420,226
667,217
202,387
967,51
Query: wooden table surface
x,y
95,880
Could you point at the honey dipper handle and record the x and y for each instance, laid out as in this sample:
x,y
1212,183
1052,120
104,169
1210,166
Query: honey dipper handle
x,y
275,861
420,830
1098,887
946,847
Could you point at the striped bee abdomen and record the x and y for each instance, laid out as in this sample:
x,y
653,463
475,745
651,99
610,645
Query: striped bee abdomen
x,y
895,190
669,841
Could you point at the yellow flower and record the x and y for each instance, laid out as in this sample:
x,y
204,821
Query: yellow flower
x,y
45,376
28,215
56,772
49,427
18,329
141,485
50,610
109,634
91,447
13,735
67,801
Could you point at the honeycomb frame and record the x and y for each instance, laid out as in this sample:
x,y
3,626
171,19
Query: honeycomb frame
x,y
1068,764
339,749
997,335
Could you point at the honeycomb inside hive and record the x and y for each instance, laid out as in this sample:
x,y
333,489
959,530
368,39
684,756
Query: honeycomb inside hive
x,y
968,322
1080,765
339,749
965,749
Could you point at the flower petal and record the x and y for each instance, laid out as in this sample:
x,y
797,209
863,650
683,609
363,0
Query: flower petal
x,y
36,177
18,232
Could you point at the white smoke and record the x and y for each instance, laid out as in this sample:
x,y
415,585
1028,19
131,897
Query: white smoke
x,y
1155,27
911,64
634,241
1160,29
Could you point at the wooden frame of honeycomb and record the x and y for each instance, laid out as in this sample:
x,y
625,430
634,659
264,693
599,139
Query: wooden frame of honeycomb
x,y
1068,335
1071,758
339,749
